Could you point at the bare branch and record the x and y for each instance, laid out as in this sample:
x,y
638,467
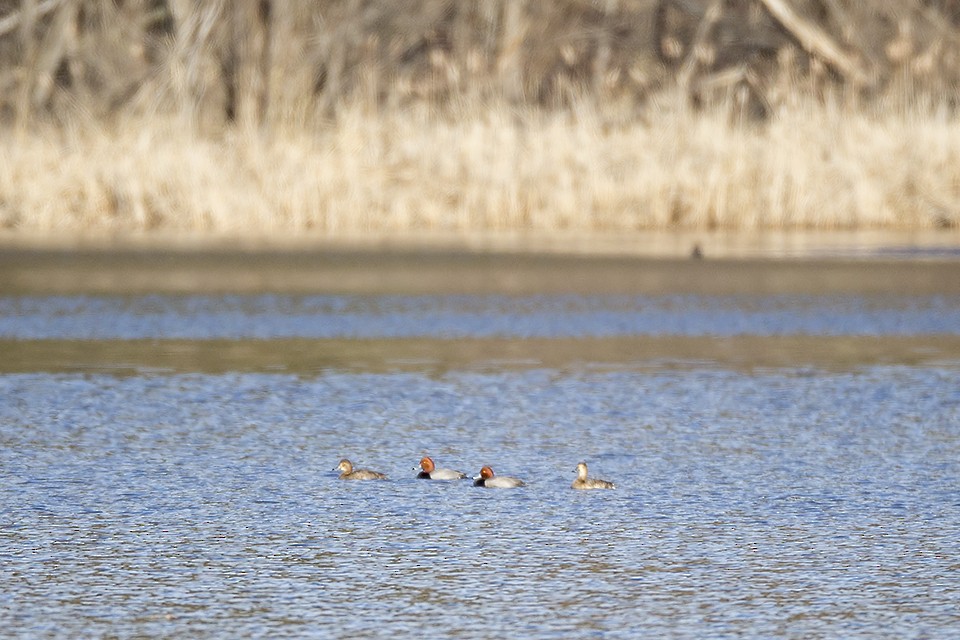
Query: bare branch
x,y
12,21
816,42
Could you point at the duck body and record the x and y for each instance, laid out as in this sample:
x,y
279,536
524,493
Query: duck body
x,y
491,481
583,482
347,472
429,471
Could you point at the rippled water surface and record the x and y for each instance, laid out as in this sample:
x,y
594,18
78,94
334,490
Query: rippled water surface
x,y
790,501
355,316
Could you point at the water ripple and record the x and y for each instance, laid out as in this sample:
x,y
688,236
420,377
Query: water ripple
x,y
766,505
204,317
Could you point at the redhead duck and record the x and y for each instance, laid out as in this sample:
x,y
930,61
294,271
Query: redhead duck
x,y
487,479
347,473
583,482
430,471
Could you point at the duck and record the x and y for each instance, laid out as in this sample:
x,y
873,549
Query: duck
x,y
429,471
488,479
583,482
348,473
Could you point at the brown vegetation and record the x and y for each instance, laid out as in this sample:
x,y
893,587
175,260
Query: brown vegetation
x,y
359,116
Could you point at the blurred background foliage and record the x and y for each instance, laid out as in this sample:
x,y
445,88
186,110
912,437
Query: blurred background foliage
x,y
290,62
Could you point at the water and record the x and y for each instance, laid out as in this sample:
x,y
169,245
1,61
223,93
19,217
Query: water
x,y
758,502
206,317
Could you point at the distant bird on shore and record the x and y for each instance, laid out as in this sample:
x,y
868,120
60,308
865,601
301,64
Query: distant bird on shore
x,y
697,252
347,472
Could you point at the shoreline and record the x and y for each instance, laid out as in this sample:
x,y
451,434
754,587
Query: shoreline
x,y
438,356
421,269
722,244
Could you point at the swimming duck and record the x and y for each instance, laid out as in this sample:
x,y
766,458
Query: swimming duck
x,y
347,473
583,482
430,471
487,479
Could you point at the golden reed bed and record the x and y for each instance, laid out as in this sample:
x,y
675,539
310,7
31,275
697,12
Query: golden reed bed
x,y
372,118
492,168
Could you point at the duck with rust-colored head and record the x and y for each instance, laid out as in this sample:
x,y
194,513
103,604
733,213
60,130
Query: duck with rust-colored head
x,y
429,471
583,482
347,472
489,480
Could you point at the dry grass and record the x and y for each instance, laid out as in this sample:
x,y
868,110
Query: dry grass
x,y
471,118
813,166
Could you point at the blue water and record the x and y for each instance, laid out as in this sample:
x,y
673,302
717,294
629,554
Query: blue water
x,y
337,316
788,503
781,504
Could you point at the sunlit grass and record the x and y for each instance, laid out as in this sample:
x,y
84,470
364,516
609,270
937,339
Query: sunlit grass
x,y
814,165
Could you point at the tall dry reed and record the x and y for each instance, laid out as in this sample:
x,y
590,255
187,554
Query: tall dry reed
x,y
814,165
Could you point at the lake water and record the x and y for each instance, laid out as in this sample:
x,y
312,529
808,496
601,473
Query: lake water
x,y
206,317
146,492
